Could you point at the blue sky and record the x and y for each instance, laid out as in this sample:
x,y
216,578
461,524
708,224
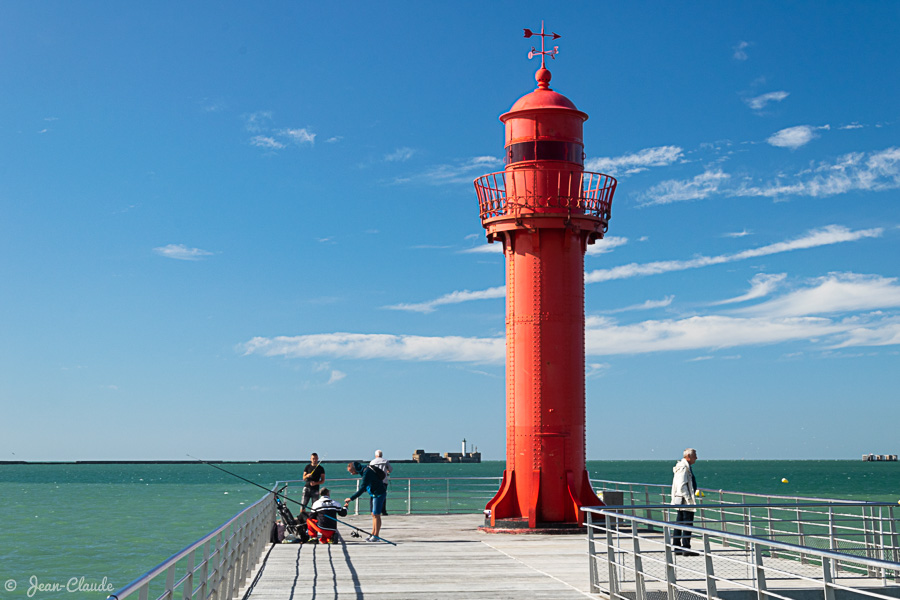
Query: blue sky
x,y
247,231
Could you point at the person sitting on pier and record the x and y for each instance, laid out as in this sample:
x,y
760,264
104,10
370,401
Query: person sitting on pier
x,y
684,487
372,483
323,518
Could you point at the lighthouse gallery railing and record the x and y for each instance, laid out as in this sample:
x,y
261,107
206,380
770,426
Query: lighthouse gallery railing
x,y
510,193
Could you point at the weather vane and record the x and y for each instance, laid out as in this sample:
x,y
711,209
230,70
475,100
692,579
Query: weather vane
x,y
551,53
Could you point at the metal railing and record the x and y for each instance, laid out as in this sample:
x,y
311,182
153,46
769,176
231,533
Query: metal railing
x,y
216,565
415,495
533,190
756,556
839,524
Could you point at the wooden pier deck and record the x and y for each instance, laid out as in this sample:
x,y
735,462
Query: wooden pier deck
x,y
436,557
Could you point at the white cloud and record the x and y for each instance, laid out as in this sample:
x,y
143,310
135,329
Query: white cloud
x,y
647,305
885,335
211,106
856,171
736,234
336,376
380,346
596,370
636,162
606,245
400,155
495,248
255,122
262,141
697,188
876,171
462,171
452,298
832,234
795,317
181,252
739,50
853,125
760,102
703,332
603,337
761,285
793,137
334,139
835,293
299,136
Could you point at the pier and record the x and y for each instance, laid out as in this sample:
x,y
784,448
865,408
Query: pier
x,y
749,546
437,556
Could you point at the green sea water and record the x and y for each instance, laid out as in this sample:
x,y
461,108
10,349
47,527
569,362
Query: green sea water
x,y
59,522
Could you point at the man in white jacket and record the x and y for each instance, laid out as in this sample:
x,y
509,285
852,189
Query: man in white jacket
x,y
684,486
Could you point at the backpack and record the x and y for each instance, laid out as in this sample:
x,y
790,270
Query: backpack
x,y
378,471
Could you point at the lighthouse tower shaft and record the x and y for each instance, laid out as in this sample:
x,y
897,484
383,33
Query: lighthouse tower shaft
x,y
545,210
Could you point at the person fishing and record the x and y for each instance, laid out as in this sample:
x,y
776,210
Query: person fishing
x,y
371,482
279,498
380,462
323,518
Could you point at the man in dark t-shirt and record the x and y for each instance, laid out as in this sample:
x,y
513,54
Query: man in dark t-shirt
x,y
313,477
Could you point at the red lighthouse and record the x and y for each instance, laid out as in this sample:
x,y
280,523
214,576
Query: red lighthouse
x,y
545,209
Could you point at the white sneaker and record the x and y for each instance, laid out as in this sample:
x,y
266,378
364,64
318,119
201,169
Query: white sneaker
x,y
371,538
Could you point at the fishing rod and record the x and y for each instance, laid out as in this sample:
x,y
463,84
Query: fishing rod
x,y
278,494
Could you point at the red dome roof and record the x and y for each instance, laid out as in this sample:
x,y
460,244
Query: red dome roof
x,y
542,98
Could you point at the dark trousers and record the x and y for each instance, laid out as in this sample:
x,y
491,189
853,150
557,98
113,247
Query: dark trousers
x,y
680,537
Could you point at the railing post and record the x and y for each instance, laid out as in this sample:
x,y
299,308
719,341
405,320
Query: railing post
x,y
748,524
448,495
760,573
832,542
592,554
204,571
868,519
827,579
169,593
356,504
710,579
187,590
801,539
895,541
647,500
409,496
611,558
639,589
670,563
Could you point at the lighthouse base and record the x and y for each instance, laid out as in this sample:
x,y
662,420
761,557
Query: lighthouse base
x,y
520,526
504,512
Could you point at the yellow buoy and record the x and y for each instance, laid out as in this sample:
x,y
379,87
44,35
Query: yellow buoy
x,y
784,480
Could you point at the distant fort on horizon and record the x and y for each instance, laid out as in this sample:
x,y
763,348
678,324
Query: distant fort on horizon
x,y
879,457
420,456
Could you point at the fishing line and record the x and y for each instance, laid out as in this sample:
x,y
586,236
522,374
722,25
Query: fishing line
x,y
285,497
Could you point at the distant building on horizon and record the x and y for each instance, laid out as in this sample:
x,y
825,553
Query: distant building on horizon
x,y
420,456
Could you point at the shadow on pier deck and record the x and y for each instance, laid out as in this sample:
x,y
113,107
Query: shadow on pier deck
x,y
436,557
